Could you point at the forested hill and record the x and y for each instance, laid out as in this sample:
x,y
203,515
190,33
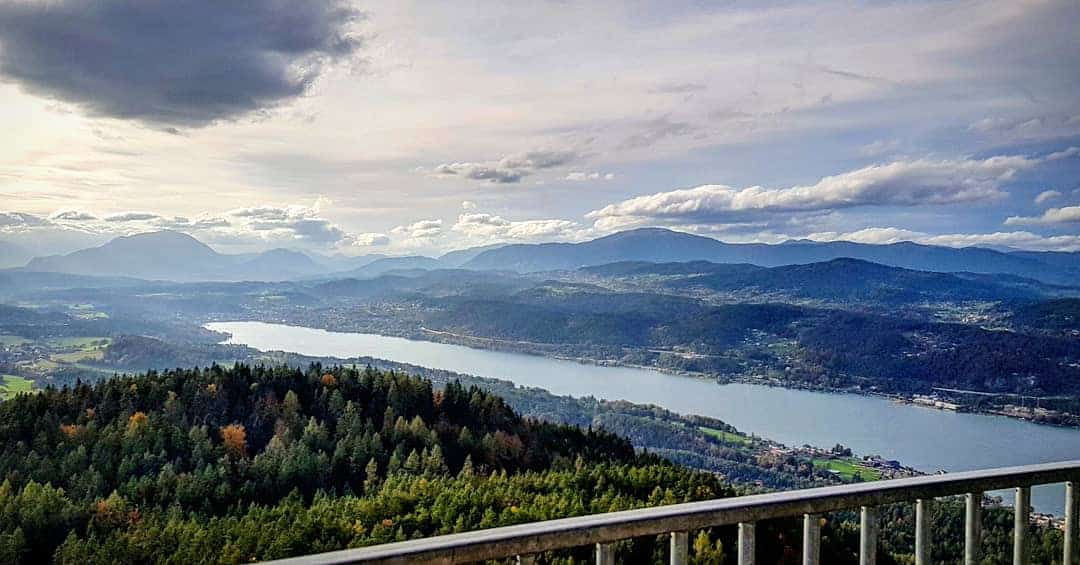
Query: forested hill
x,y
202,462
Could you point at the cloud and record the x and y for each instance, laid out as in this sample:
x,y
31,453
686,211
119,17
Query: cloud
x,y
580,176
468,205
1063,154
370,239
71,216
1065,215
19,221
542,159
255,226
493,227
651,132
1028,127
420,230
901,183
879,147
1047,195
1016,239
181,63
131,217
477,171
509,169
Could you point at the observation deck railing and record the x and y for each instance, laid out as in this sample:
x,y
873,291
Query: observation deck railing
x,y
524,541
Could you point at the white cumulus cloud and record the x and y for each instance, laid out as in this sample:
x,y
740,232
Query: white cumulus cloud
x,y
420,229
498,228
1015,239
902,183
1064,215
370,239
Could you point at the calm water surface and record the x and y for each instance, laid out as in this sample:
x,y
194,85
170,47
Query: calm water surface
x,y
923,438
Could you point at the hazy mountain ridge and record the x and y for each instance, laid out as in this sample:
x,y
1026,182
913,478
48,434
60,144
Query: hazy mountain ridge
x,y
175,256
662,245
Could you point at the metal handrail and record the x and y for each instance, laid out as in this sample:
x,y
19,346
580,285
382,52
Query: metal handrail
x,y
677,519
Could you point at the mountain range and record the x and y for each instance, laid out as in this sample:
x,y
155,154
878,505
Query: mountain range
x,y
662,245
175,256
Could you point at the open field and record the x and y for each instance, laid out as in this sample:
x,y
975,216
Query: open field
x,y
78,349
847,468
13,385
727,437
80,342
80,355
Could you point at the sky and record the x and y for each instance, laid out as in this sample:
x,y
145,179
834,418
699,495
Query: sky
x,y
407,127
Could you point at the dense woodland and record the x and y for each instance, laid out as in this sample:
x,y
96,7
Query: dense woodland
x,y
234,464
833,347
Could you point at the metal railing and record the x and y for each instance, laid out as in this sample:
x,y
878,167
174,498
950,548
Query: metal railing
x,y
526,540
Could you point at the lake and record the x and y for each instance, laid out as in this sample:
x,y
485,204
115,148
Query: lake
x,y
923,438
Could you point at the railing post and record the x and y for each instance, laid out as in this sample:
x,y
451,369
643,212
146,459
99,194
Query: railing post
x,y
922,532
973,529
605,554
1021,518
746,543
1071,492
868,534
680,548
811,543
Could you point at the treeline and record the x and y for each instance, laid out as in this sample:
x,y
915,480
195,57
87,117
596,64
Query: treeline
x,y
835,347
207,442
908,355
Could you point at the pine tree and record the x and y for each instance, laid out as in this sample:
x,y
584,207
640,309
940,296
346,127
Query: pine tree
x,y
467,467
412,463
434,464
371,476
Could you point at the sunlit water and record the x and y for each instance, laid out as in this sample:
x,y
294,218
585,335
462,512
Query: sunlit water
x,y
923,438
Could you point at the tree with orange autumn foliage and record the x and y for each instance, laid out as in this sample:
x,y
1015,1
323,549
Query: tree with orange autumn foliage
x,y
234,436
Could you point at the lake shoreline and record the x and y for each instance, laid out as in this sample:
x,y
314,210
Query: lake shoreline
x,y
926,440
544,350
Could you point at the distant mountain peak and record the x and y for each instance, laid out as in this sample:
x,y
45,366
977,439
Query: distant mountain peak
x,y
161,237
176,256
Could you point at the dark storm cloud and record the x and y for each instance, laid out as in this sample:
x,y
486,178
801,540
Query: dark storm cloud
x,y
180,62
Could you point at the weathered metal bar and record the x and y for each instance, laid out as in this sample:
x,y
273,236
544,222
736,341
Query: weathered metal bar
x,y
811,541
1071,502
747,540
922,532
680,548
523,539
1021,518
868,534
605,554
973,528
